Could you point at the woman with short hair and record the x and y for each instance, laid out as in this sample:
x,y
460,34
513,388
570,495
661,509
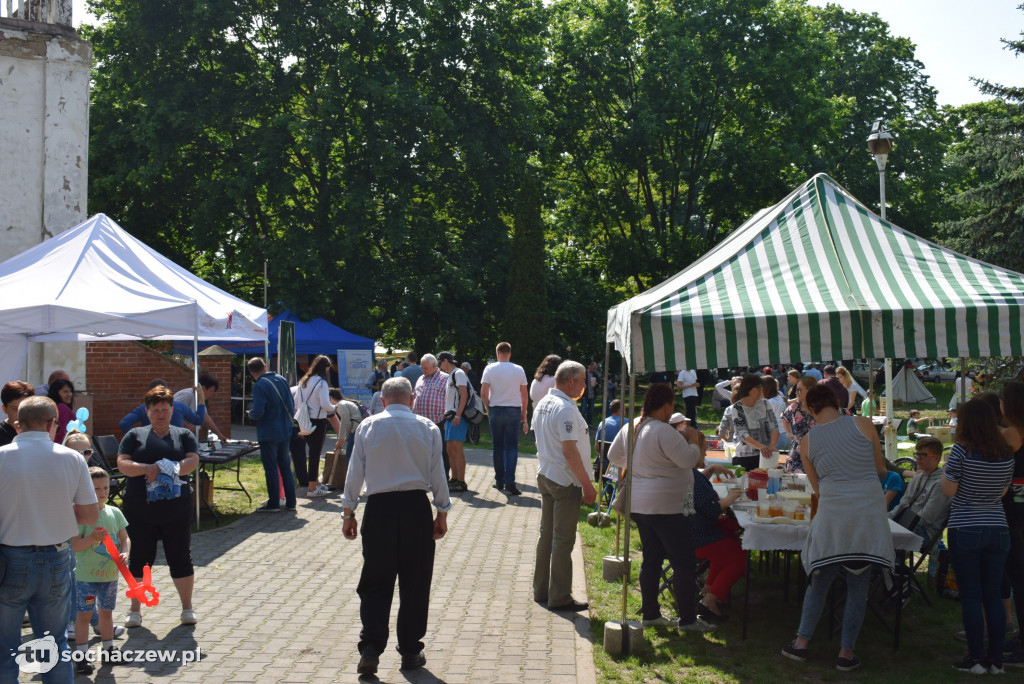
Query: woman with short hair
x,y
155,513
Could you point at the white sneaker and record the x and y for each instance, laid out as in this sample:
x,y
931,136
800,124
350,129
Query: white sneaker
x,y
316,493
660,621
118,630
188,617
697,625
282,502
134,619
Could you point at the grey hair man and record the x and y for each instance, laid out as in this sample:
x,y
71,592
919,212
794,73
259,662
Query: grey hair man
x,y
398,455
563,459
430,393
45,494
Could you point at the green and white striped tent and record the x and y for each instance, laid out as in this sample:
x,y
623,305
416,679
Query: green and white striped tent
x,y
820,277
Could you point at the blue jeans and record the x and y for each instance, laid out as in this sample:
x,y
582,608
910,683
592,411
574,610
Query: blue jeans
x,y
587,408
857,585
277,455
505,422
979,558
39,580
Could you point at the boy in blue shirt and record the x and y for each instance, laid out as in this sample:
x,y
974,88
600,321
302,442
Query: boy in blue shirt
x,y
96,572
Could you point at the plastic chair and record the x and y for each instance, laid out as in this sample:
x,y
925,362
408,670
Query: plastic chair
x,y
106,447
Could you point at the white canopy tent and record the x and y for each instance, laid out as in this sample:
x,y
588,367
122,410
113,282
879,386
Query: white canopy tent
x,y
909,389
97,282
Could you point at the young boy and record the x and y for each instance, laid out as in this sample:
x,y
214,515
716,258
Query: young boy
x,y
915,422
95,571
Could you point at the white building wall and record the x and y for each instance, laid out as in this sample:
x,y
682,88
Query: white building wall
x,y
44,153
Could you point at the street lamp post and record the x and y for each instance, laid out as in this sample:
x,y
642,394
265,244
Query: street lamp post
x,y
880,143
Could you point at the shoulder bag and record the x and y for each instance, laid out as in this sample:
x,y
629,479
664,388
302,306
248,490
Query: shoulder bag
x,y
284,406
619,503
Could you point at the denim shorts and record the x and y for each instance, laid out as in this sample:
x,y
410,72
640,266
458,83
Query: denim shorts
x,y
95,594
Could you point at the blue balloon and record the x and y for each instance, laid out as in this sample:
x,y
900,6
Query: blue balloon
x,y
82,414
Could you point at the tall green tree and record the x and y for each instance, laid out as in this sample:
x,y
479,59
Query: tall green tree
x,y
527,324
675,121
991,202
363,149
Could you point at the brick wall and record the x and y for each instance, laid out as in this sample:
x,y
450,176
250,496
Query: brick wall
x,y
118,374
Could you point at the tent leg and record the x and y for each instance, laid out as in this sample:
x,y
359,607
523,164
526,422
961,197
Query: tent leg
x,y
195,391
890,432
626,647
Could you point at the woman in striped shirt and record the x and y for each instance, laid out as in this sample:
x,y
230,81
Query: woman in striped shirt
x,y
976,476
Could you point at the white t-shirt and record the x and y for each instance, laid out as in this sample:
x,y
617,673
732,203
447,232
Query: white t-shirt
x,y
505,380
39,480
186,396
955,399
688,377
451,397
555,420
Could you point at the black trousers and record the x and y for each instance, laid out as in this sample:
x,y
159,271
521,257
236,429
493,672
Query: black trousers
x,y
398,542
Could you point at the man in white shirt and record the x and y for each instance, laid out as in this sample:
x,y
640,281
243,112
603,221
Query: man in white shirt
x,y
503,390
563,459
455,425
687,384
208,385
45,494
398,455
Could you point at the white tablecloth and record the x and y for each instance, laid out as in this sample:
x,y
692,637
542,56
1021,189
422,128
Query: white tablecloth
x,y
778,537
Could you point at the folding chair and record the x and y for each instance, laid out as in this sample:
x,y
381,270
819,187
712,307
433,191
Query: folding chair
x,y
699,574
106,448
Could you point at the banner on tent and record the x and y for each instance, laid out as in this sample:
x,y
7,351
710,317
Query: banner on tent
x,y
286,365
354,366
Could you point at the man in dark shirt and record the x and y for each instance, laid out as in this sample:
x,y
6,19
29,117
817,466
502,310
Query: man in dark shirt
x,y
11,396
830,379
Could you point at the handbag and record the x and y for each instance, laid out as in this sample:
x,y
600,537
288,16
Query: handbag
x,y
306,426
618,504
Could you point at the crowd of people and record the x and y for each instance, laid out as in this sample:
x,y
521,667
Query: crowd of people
x,y
410,442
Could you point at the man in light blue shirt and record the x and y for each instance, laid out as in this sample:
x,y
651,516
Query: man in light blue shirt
x,y
397,453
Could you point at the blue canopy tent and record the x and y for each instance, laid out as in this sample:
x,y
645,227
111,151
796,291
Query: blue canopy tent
x,y
313,337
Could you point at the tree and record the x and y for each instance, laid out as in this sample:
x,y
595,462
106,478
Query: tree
x,y
991,204
363,149
527,325
676,121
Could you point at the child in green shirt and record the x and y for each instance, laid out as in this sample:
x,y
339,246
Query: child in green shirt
x,y
95,571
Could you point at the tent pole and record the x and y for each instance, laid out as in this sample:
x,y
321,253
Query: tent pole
x,y
604,417
963,380
266,343
626,650
890,432
195,393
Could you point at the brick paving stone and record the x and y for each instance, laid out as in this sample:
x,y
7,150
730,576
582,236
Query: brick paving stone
x,y
276,599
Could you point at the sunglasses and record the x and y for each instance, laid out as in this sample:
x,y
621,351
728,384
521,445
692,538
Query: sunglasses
x,y
923,454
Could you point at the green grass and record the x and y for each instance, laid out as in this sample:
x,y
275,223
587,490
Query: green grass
x,y
926,653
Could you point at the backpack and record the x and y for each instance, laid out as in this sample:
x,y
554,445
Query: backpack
x,y
473,413
364,412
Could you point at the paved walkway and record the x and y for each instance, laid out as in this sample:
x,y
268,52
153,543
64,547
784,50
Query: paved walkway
x,y
276,600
